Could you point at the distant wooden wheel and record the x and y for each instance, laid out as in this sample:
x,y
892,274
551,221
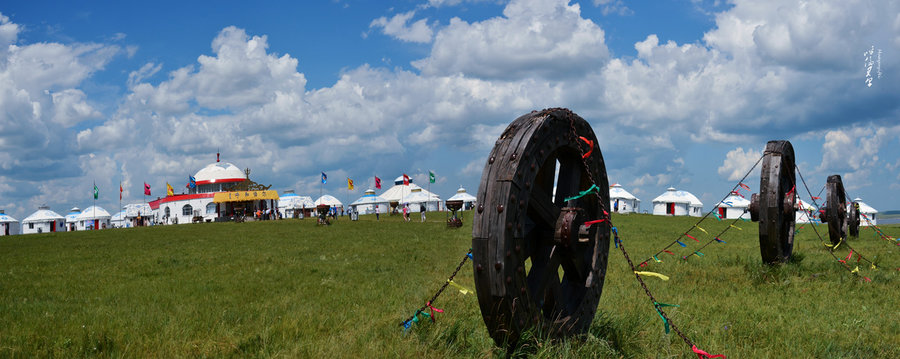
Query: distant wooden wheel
x,y
835,209
773,207
537,266
853,219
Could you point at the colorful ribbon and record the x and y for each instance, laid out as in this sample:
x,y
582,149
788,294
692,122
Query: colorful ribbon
x,y
668,251
703,230
746,187
591,223
682,244
462,289
583,193
590,147
702,354
433,309
652,274
657,259
692,237
719,240
735,227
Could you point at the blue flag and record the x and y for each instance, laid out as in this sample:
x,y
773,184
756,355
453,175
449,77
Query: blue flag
x,y
324,178
192,182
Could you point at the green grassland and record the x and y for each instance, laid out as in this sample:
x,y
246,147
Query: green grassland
x,y
293,289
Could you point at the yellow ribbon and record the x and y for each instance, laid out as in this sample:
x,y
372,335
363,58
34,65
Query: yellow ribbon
x,y
874,267
652,274
704,231
855,270
462,289
735,227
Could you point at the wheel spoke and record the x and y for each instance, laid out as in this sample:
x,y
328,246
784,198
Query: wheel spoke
x,y
544,272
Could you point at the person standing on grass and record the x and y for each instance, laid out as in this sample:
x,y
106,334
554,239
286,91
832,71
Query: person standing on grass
x,y
422,211
376,212
406,212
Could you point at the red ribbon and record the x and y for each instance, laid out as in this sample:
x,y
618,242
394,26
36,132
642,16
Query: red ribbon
x,y
591,223
667,251
702,354
433,309
590,147
692,237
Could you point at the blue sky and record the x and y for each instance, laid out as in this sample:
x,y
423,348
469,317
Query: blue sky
x,y
680,93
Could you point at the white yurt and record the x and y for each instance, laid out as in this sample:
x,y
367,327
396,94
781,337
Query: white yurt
x,y
44,220
806,213
621,201
419,197
292,205
8,225
866,213
118,220
71,219
369,203
467,199
677,203
93,217
138,214
734,206
328,200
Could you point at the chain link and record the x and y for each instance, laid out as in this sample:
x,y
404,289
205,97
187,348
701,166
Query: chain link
x,y
438,293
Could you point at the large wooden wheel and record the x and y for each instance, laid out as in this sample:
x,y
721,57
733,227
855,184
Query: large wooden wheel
x,y
774,205
536,265
835,209
853,219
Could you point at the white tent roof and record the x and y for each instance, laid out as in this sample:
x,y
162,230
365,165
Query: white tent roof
x,y
137,209
673,196
73,214
616,191
92,213
118,217
43,214
5,218
292,200
328,200
863,207
369,198
419,195
400,193
219,171
461,195
734,201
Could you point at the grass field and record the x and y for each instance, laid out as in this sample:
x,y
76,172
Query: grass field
x,y
292,289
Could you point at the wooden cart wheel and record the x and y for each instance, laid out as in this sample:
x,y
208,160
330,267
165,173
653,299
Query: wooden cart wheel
x,y
835,209
853,219
536,265
774,206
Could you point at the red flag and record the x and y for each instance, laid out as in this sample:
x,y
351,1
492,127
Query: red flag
x,y
120,191
405,180
377,182
146,189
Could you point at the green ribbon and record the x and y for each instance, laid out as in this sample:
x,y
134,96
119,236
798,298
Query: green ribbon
x,y
584,193
657,305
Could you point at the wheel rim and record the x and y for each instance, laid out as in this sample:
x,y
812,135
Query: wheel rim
x,y
835,209
776,202
518,247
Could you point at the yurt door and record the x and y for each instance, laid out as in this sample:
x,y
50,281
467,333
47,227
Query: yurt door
x,y
722,212
670,208
53,226
6,229
96,224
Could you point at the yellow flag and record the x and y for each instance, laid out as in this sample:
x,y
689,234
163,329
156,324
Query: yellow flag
x,y
349,184
652,274
169,190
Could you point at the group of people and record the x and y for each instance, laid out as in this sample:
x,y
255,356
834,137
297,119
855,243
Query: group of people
x,y
406,211
267,214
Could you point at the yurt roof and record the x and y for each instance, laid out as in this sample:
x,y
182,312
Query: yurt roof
x,y
369,198
292,200
863,207
5,218
118,217
419,195
219,171
93,212
43,214
137,209
616,191
328,200
461,195
734,201
677,196
401,192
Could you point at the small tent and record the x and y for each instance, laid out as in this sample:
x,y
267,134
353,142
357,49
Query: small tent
x,y
419,197
138,214
8,225
677,203
292,205
866,213
43,220
328,200
93,217
734,206
369,203
621,201
468,200
71,219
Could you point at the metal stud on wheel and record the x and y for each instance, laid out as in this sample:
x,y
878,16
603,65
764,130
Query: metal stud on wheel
x,y
537,265
774,206
835,209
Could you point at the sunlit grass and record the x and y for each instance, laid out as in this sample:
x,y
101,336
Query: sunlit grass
x,y
293,289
